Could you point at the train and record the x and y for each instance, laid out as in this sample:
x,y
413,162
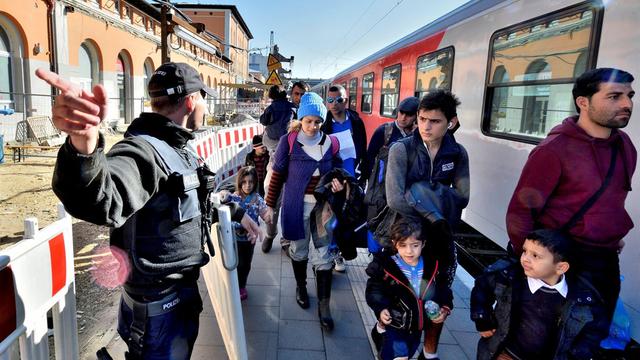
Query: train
x,y
512,63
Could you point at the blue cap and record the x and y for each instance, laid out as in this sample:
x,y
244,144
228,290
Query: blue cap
x,y
311,104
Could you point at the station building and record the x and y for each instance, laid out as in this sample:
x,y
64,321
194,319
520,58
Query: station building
x,y
113,42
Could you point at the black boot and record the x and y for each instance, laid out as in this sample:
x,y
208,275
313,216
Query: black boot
x,y
300,272
323,283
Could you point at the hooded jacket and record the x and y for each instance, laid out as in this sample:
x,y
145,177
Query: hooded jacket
x,y
562,172
276,118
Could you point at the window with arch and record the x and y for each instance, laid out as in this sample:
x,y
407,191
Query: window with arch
x,y
532,67
85,67
499,106
148,72
6,84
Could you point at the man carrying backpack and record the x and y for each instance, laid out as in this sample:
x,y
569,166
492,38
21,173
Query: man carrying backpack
x,y
374,167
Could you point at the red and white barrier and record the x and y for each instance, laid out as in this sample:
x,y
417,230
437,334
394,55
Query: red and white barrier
x,y
37,275
224,149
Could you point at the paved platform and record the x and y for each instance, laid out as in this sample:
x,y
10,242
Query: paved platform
x,y
277,328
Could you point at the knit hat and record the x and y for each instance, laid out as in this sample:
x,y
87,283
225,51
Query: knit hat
x,y
311,104
257,141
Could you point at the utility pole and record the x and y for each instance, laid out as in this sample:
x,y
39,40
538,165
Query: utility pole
x,y
271,43
165,30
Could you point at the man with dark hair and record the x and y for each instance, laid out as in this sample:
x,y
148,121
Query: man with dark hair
x,y
276,119
297,90
149,189
346,125
578,157
427,181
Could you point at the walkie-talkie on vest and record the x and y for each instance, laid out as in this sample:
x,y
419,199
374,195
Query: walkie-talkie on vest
x,y
207,187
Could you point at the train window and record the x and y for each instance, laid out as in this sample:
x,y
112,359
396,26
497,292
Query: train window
x,y
367,93
353,93
532,69
390,91
433,71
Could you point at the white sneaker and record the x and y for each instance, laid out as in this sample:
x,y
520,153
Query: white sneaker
x,y
338,264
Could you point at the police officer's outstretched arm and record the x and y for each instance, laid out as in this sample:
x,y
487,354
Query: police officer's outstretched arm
x,y
77,112
93,186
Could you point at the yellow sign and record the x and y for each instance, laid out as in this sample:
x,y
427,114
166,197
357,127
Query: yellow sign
x,y
273,79
273,63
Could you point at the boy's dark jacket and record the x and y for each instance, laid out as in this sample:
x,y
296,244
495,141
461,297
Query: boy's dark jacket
x,y
579,336
388,286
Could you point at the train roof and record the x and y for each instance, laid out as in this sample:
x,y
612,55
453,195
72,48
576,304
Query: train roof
x,y
460,14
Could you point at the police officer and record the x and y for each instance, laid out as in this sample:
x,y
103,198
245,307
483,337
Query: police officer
x,y
149,189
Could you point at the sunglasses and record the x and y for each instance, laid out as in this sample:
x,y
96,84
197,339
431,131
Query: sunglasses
x,y
338,99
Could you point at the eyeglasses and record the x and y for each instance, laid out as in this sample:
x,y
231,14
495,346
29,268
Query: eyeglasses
x,y
338,99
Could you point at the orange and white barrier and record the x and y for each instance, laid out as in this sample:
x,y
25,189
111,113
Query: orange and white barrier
x,y
37,275
224,149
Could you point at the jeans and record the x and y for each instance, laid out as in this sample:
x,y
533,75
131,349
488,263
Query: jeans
x,y
304,249
397,343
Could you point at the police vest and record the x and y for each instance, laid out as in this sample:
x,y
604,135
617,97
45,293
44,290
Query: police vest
x,y
164,238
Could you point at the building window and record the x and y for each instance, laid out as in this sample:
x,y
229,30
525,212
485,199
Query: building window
x,y
367,93
6,85
85,68
353,93
434,71
390,91
148,72
532,68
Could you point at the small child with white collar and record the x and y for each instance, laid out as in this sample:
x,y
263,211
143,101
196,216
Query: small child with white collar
x,y
540,312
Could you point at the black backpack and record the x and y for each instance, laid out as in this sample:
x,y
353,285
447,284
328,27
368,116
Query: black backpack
x,y
375,199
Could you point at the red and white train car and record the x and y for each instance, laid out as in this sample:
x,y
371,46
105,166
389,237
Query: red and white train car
x,y
512,63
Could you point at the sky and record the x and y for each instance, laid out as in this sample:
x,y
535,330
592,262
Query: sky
x,y
326,37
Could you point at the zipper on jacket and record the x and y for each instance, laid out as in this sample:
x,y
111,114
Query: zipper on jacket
x,y
431,161
415,297
418,299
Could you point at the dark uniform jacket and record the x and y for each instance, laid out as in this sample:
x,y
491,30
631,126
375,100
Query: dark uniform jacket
x,y
110,188
579,337
388,288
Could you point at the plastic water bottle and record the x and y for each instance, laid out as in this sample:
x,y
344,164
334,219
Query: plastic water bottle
x,y
432,309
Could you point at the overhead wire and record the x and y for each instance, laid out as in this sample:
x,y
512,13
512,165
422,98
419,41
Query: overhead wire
x,y
363,35
353,25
